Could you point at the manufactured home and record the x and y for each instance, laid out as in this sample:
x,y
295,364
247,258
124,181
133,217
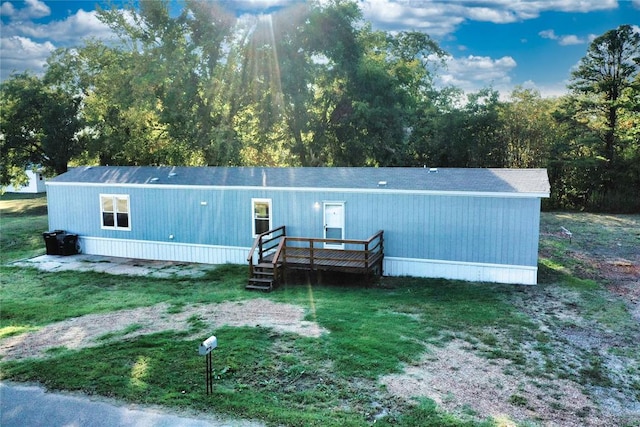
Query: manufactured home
x,y
468,224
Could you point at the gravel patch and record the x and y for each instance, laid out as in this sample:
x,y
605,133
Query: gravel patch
x,y
117,266
85,331
458,380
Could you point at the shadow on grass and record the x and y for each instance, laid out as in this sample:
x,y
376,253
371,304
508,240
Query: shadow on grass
x,y
550,272
17,204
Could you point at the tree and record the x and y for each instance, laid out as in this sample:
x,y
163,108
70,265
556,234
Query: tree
x,y
527,129
605,89
39,126
169,105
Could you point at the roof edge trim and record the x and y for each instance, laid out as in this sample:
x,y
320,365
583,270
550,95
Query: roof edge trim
x,y
309,189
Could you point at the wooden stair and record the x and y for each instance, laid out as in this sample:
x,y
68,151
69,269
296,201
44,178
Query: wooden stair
x,y
263,277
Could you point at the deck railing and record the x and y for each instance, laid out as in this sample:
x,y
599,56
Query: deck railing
x,y
276,248
265,243
364,254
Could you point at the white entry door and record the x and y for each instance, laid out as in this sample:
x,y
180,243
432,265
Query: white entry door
x,y
334,223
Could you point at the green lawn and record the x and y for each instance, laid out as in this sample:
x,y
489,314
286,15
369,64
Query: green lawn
x,y
283,378
23,219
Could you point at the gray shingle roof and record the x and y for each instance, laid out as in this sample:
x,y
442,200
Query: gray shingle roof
x,y
515,181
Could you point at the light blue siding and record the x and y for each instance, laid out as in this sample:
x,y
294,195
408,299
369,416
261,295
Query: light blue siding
x,y
498,230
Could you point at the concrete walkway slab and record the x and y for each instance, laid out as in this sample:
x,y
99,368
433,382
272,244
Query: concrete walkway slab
x,y
116,265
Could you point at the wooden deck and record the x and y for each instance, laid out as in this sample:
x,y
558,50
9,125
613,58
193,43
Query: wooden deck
x,y
274,252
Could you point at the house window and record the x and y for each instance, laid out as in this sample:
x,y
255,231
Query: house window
x,y
114,210
261,211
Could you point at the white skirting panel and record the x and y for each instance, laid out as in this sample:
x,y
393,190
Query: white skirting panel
x,y
470,271
163,251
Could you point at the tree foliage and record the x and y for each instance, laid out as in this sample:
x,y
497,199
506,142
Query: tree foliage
x,y
38,128
314,85
604,103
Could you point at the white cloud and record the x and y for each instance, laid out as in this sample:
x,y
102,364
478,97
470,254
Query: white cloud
x,y
256,6
430,17
471,73
565,40
548,34
549,90
442,17
570,40
488,14
7,9
26,45
36,9
20,54
33,9
73,29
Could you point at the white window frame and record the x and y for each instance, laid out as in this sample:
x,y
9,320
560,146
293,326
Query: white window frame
x,y
254,217
115,198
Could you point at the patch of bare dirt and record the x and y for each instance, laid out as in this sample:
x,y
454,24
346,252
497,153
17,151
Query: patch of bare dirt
x,y
458,380
572,370
623,278
86,331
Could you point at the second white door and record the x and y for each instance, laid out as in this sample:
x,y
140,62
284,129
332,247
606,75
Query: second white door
x,y
334,223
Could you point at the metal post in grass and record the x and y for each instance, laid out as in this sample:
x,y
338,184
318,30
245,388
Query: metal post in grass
x,y
205,350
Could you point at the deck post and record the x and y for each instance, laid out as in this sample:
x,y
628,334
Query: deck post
x,y
382,252
311,254
366,255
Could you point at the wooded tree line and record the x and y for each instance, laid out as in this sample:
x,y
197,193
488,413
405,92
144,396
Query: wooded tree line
x,y
314,85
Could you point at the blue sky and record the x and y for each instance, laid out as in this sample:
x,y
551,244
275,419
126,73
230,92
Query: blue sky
x,y
502,43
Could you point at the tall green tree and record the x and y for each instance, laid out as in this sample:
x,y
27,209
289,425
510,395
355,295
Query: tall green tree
x,y
605,87
38,126
174,80
321,88
454,135
370,88
528,130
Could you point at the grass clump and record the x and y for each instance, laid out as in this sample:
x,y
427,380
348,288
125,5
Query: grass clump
x,y
427,414
126,331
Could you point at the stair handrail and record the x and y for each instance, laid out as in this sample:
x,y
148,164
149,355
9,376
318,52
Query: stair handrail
x,y
258,241
279,251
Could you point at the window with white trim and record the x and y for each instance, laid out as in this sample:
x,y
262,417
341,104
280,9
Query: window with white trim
x,y
115,211
261,216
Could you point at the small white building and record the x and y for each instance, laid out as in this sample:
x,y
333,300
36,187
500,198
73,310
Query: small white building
x,y
36,183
